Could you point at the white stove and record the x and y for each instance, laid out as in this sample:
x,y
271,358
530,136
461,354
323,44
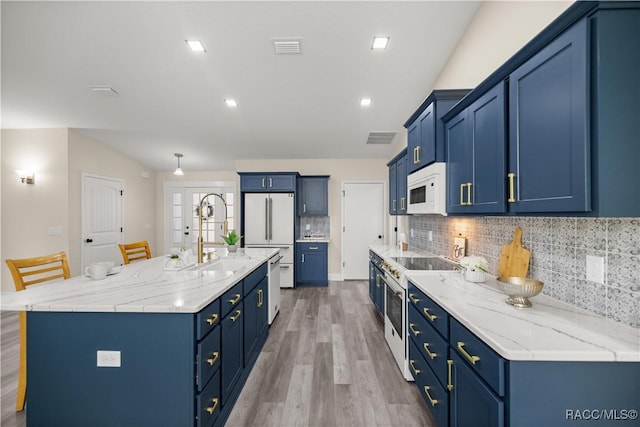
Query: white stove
x,y
395,304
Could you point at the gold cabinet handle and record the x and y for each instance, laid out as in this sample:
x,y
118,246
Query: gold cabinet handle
x,y
469,194
304,207
413,368
418,154
212,409
415,159
413,298
415,333
213,319
462,194
430,316
394,204
512,197
433,401
270,182
235,300
263,181
426,348
214,357
470,358
238,313
260,299
402,203
449,382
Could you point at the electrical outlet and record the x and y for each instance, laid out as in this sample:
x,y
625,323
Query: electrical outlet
x,y
307,227
595,269
108,359
430,236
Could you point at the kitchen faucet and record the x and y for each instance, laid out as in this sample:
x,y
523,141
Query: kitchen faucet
x,y
201,241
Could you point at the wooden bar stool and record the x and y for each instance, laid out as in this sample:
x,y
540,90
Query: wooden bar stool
x,y
136,251
26,272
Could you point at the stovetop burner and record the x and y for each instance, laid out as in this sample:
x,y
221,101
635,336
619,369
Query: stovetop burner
x,y
426,263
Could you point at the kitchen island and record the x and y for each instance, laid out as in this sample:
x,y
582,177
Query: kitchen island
x,y
146,346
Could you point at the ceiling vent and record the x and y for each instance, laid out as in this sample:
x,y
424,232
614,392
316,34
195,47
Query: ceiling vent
x,y
104,90
289,46
380,137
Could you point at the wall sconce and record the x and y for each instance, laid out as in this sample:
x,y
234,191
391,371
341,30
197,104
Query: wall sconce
x,y
26,177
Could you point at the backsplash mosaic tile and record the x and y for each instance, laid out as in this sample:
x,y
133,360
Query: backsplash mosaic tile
x,y
319,225
559,247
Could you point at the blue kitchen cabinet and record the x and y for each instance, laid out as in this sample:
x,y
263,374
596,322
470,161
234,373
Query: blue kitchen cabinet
x,y
232,350
549,149
313,195
476,156
255,320
398,184
426,131
312,264
267,182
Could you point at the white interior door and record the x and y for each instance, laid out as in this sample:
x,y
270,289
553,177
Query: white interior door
x,y
363,216
101,219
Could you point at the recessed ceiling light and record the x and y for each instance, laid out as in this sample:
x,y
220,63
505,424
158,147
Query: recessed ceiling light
x,y
231,103
196,45
380,42
365,102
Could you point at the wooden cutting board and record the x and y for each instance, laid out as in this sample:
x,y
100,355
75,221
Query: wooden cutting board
x,y
514,258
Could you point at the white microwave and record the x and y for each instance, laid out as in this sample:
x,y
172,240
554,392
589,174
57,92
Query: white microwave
x,y
426,190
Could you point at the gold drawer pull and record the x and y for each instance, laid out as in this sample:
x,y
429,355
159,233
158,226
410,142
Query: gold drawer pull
x,y
449,382
413,368
213,319
462,203
433,401
430,316
260,298
415,332
212,409
470,358
212,361
426,348
413,299
236,299
238,313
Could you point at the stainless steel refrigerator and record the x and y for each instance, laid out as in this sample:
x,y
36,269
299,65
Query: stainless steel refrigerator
x,y
268,223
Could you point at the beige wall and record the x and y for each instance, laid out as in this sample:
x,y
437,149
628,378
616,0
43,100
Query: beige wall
x,y
497,31
139,205
340,170
29,210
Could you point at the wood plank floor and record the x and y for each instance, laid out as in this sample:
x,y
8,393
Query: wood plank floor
x,y
325,364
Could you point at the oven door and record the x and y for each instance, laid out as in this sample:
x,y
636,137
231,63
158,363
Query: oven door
x,y
394,306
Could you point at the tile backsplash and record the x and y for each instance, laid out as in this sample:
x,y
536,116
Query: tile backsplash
x,y
319,225
559,247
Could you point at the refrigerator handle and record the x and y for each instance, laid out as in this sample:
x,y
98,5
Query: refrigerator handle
x,y
270,218
266,219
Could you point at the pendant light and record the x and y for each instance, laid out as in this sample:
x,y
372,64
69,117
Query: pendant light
x,y
178,170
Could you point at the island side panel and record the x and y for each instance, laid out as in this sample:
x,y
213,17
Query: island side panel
x,y
153,387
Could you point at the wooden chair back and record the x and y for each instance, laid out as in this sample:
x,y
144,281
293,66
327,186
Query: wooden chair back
x,y
26,272
29,271
136,251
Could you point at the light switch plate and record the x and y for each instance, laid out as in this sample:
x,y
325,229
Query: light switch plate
x,y
595,269
108,359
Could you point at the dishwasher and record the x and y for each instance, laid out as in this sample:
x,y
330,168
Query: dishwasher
x,y
274,286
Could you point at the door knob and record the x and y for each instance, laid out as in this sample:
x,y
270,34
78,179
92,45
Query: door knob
x,y
379,236
89,240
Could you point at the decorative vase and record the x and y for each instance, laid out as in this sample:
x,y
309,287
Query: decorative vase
x,y
232,248
474,276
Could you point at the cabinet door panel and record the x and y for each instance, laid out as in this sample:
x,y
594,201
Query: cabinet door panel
x,y
489,158
427,151
549,146
472,403
250,323
401,185
393,189
232,349
314,196
413,142
458,162
253,183
280,182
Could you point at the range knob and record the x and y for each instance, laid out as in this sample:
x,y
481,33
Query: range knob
x,y
397,274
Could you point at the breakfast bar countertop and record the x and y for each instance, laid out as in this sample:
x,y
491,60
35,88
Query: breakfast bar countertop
x,y
144,286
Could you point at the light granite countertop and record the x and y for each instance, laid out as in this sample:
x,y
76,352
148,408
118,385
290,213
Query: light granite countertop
x,y
143,286
550,330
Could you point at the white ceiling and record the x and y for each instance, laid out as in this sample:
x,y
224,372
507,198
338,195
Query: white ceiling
x,y
172,100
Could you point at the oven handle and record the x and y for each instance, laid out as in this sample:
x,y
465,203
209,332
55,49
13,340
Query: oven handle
x,y
393,286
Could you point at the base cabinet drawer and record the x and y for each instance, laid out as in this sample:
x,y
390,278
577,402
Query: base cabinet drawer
x,y
209,402
473,403
437,317
433,347
436,396
208,357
